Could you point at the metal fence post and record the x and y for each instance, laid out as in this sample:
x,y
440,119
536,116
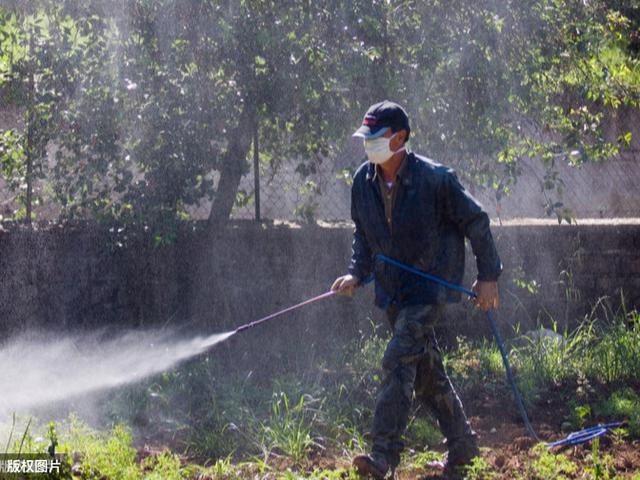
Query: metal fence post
x,y
256,171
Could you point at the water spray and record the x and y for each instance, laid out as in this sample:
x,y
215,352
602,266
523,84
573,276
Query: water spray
x,y
46,370
120,361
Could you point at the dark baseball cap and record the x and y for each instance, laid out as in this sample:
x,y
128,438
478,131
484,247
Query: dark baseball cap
x,y
382,116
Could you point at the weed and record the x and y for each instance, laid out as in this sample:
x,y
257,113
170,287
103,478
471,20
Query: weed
x,y
165,466
423,431
601,465
619,436
616,357
320,474
261,463
549,466
109,454
479,469
420,459
579,414
367,356
356,443
621,404
289,427
518,277
223,469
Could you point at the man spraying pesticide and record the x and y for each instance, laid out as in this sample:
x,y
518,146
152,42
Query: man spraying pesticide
x,y
408,208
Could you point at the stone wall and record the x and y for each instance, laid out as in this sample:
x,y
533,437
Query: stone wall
x,y
76,278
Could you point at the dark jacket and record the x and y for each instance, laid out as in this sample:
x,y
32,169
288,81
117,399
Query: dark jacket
x,y
432,215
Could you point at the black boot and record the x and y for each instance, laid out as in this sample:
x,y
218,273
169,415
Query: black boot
x,y
373,466
461,454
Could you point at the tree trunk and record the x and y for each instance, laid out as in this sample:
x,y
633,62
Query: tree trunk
x,y
233,167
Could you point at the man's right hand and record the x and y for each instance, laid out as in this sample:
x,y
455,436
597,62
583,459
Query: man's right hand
x,y
345,285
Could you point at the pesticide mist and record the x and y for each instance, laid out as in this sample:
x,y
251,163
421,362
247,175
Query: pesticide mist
x,y
39,371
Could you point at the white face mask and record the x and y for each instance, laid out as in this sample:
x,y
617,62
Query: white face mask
x,y
378,150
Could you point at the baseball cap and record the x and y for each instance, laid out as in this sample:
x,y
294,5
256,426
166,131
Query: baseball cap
x,y
382,116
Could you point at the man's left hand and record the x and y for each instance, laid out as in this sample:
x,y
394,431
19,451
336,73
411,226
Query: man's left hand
x,y
487,292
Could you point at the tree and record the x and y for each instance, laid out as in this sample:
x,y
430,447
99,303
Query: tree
x,y
154,107
40,63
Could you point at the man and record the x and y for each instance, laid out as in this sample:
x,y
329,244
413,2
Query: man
x,y
415,211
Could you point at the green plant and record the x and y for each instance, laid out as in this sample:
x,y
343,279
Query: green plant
x,y
423,432
616,357
518,277
619,436
579,414
320,474
109,454
422,458
224,469
622,404
479,470
165,466
602,466
549,466
289,428
355,440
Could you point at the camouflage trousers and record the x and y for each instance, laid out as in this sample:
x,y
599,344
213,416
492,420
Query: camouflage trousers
x,y
412,362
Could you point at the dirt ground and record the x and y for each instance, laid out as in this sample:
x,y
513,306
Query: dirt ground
x,y
509,451
505,446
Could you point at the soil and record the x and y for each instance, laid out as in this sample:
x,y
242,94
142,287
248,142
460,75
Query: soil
x,y
503,440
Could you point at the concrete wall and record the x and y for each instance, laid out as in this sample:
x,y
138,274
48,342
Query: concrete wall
x,y
76,278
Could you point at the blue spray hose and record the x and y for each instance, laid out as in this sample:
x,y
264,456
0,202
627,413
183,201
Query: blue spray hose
x,y
574,438
494,330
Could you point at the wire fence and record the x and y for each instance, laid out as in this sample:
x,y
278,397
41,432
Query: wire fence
x,y
593,190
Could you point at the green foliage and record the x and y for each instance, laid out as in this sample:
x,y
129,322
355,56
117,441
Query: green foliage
x,y
40,64
579,415
318,474
289,429
479,470
223,469
617,355
623,404
165,466
531,286
423,431
153,113
422,458
308,206
475,364
597,351
550,466
602,466
110,454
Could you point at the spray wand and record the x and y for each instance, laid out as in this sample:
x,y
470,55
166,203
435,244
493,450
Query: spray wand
x,y
255,323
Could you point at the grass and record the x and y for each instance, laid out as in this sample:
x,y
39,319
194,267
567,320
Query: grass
x,y
246,425
602,351
289,428
550,466
623,404
423,431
